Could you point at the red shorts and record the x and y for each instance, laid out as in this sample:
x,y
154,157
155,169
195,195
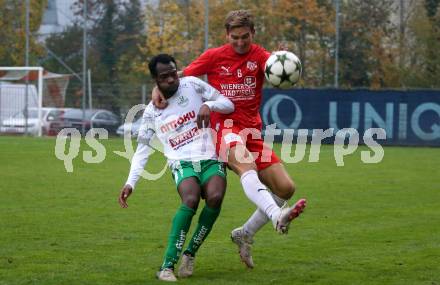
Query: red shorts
x,y
228,137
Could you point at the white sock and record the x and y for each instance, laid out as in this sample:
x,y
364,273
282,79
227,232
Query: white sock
x,y
259,218
255,223
258,194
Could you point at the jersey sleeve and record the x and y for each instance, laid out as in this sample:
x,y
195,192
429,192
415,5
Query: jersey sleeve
x,y
147,129
143,150
140,158
211,97
200,65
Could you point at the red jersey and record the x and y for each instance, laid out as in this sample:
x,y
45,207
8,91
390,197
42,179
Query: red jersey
x,y
239,77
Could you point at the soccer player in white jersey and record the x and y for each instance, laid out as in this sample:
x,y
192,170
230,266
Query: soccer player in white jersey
x,y
191,156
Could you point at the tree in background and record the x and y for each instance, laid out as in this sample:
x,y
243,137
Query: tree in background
x,y
174,27
131,34
308,28
305,27
123,35
423,66
365,46
13,31
67,47
433,42
115,30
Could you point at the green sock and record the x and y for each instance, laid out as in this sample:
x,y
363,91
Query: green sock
x,y
176,239
207,218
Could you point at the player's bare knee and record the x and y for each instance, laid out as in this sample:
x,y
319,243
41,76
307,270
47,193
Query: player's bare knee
x,y
291,188
215,200
191,201
286,189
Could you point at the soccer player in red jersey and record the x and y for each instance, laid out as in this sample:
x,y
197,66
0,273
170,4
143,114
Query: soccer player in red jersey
x,y
236,69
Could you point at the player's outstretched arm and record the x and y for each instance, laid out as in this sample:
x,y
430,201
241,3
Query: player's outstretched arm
x,y
123,196
138,162
140,157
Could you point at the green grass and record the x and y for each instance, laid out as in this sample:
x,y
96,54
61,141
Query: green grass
x,y
365,223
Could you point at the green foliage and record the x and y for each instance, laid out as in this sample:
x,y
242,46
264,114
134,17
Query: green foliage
x,y
365,25
130,36
174,28
13,31
123,35
423,66
431,7
115,30
304,27
68,47
287,22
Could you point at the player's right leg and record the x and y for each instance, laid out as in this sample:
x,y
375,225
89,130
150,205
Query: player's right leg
x,y
189,191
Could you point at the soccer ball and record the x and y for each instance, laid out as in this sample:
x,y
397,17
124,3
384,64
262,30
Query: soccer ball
x,y
283,69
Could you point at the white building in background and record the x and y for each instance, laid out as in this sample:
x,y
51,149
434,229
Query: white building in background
x,y
58,15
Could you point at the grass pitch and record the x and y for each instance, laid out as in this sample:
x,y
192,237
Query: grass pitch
x,y
365,223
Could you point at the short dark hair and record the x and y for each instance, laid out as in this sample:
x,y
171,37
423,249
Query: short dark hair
x,y
162,58
238,19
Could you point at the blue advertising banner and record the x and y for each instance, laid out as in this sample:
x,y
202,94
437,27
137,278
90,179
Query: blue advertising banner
x,y
408,117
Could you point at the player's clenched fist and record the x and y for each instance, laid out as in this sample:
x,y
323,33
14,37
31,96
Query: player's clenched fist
x,y
203,117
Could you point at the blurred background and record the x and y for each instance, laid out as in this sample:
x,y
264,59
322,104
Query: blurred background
x,y
102,47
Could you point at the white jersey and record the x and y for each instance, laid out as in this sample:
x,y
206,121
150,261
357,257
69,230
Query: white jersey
x,y
176,126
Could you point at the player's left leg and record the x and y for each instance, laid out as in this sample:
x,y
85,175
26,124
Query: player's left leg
x,y
273,174
189,192
214,187
276,178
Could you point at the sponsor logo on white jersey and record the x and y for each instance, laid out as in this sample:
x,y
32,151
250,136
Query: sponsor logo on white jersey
x,y
174,124
183,138
182,101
